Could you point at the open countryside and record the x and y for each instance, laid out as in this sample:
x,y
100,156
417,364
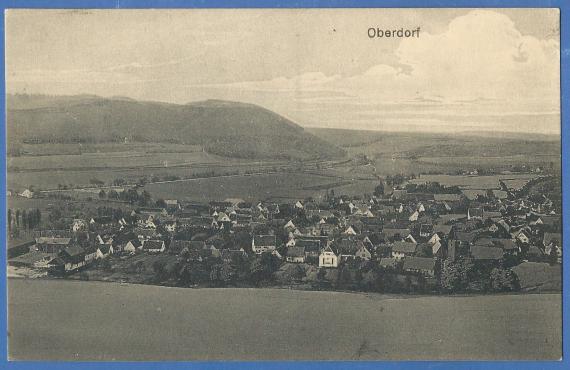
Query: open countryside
x,y
191,226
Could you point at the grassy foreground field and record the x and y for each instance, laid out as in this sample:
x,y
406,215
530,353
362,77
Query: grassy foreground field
x,y
72,320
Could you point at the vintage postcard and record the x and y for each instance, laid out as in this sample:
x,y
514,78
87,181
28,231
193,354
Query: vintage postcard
x,y
284,184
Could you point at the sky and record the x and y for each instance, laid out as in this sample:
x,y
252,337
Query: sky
x,y
469,69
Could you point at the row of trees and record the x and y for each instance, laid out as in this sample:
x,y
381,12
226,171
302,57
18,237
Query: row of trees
x,y
25,219
131,196
464,275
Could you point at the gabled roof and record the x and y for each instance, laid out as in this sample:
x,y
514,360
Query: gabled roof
x,y
468,237
104,248
310,244
475,212
103,220
73,251
296,251
50,240
426,228
329,250
135,242
152,244
388,262
419,263
505,244
264,240
443,229
555,238
176,246
404,247
392,232
486,253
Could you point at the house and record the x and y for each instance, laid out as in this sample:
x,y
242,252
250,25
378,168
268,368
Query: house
x,y
155,212
263,243
420,265
79,225
552,242
480,253
27,193
90,254
410,239
436,248
396,233
132,246
523,236
145,234
475,213
52,244
234,256
350,231
170,226
290,225
153,246
414,216
426,230
363,253
435,238
328,258
312,246
364,212
509,246
104,251
172,205
403,249
73,258
388,263
101,221
295,255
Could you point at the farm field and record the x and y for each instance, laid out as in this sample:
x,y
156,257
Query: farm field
x,y
415,153
476,182
278,186
159,323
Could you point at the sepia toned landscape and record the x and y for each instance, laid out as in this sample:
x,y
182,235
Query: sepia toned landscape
x,y
387,206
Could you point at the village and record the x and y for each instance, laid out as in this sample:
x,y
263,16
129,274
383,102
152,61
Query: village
x,y
405,237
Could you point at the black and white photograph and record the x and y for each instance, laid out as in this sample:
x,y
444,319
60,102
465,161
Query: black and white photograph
x,y
283,184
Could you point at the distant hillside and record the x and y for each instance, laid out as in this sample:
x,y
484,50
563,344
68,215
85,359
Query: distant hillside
x,y
225,128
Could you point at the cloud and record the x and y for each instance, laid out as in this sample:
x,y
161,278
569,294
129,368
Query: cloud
x,y
481,56
474,65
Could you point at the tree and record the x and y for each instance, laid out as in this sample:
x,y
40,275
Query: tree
x,y
106,265
159,268
160,203
9,220
102,194
25,224
112,194
379,190
38,216
456,275
503,280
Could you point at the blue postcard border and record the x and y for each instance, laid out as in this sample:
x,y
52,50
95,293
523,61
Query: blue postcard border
x,y
564,7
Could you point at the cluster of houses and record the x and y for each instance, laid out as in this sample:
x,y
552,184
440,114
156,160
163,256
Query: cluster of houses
x,y
403,231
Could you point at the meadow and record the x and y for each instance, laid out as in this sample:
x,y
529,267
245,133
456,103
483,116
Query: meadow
x,y
100,321
284,186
